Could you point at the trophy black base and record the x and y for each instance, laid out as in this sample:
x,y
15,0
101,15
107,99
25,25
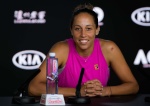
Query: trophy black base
x,y
23,100
78,100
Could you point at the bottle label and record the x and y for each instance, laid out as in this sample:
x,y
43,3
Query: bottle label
x,y
55,65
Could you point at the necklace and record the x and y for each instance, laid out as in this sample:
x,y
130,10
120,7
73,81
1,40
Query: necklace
x,y
85,58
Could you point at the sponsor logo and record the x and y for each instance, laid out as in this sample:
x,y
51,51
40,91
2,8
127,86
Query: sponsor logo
x,y
100,13
33,17
96,67
141,16
54,100
142,58
28,59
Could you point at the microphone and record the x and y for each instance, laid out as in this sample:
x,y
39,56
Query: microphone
x,y
20,95
78,99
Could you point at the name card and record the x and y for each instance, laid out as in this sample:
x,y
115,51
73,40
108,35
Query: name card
x,y
52,99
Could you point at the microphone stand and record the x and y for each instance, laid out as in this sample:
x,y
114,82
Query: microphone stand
x,y
20,95
78,99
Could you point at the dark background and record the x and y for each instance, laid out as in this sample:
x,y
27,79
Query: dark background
x,y
118,26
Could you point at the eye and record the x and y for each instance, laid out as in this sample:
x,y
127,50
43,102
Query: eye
x,y
77,29
88,29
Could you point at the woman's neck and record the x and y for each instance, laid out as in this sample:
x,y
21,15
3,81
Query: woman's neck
x,y
85,52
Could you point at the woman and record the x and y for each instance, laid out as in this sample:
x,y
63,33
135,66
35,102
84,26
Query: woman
x,y
93,54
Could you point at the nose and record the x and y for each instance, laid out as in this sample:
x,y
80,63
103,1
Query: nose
x,y
83,33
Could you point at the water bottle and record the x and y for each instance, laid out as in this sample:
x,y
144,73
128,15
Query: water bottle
x,y
52,74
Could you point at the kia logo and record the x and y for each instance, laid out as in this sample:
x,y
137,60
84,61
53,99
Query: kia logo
x,y
141,16
28,59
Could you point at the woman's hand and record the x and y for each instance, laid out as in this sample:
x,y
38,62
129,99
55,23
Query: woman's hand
x,y
92,88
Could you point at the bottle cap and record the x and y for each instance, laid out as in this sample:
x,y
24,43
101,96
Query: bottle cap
x,y
52,54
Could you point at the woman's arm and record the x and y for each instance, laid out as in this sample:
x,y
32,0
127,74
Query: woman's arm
x,y
119,65
38,85
117,62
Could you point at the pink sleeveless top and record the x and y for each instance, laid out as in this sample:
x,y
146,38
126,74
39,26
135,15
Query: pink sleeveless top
x,y
95,67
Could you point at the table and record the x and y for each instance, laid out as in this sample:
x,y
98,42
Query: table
x,y
129,100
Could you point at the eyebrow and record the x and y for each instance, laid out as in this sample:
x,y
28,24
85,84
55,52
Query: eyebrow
x,y
80,26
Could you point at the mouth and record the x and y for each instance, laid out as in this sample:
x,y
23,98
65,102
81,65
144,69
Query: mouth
x,y
84,41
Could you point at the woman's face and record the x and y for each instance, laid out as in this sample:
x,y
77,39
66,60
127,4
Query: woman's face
x,y
84,31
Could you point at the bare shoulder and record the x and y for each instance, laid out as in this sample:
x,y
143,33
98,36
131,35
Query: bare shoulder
x,y
108,45
61,49
110,50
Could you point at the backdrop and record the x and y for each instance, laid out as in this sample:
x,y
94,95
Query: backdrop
x,y
30,28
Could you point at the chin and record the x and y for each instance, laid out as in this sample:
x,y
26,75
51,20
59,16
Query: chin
x,y
83,47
